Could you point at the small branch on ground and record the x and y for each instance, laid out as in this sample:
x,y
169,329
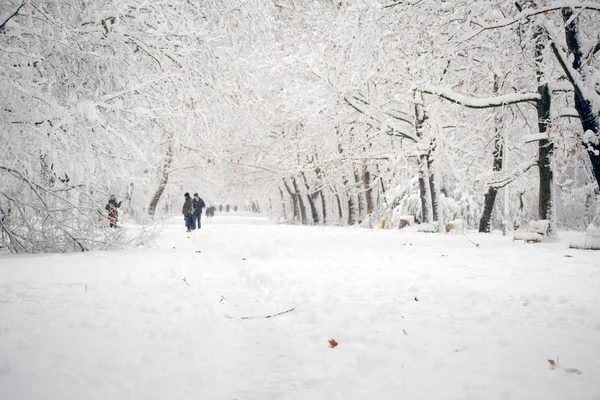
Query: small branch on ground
x,y
475,244
272,315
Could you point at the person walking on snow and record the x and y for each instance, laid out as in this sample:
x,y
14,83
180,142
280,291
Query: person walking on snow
x,y
198,205
188,212
111,208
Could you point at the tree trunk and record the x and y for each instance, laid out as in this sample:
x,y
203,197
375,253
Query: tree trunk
x,y
489,200
590,120
545,152
166,170
300,202
282,203
422,161
310,196
366,179
339,205
295,207
435,206
425,190
352,210
359,195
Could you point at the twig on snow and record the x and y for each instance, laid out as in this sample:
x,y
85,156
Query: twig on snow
x,y
272,315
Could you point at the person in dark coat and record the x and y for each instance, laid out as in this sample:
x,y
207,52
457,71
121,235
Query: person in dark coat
x,y
188,212
111,208
198,205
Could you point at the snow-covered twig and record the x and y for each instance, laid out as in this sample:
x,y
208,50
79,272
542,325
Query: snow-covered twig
x,y
485,102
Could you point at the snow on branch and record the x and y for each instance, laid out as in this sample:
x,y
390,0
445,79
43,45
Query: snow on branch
x,y
563,59
500,179
527,14
112,96
388,121
486,102
10,17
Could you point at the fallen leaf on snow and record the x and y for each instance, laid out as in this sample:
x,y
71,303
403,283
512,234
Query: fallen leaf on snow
x,y
332,343
552,363
404,330
173,246
198,251
476,244
444,255
568,256
416,298
244,259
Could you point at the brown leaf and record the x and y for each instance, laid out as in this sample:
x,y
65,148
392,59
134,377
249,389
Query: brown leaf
x,y
243,258
568,256
476,244
444,255
332,343
573,371
416,298
552,364
198,251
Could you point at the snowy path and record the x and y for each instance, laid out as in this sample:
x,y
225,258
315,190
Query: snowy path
x,y
126,326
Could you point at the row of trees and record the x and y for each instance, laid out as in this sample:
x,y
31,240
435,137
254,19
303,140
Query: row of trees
x,y
321,112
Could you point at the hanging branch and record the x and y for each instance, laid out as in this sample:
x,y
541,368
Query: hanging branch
x,y
486,102
9,18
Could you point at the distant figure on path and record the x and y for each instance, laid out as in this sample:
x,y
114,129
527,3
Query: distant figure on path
x,y
198,205
188,212
111,208
220,207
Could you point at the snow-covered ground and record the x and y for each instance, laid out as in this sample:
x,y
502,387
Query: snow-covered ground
x,y
415,316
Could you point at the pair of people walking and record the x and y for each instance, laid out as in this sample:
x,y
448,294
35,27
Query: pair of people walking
x,y
192,211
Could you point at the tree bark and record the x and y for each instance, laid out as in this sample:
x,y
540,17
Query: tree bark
x,y
435,203
300,202
489,200
310,197
165,171
590,120
295,207
366,179
546,150
359,195
422,161
282,203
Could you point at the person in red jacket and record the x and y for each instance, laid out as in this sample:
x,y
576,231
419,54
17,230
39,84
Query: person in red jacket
x,y
111,208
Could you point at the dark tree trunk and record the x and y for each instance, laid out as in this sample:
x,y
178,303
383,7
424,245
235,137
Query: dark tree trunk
x,y
164,179
352,210
590,121
321,194
294,199
488,207
359,195
311,196
339,205
366,179
489,200
300,202
546,149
